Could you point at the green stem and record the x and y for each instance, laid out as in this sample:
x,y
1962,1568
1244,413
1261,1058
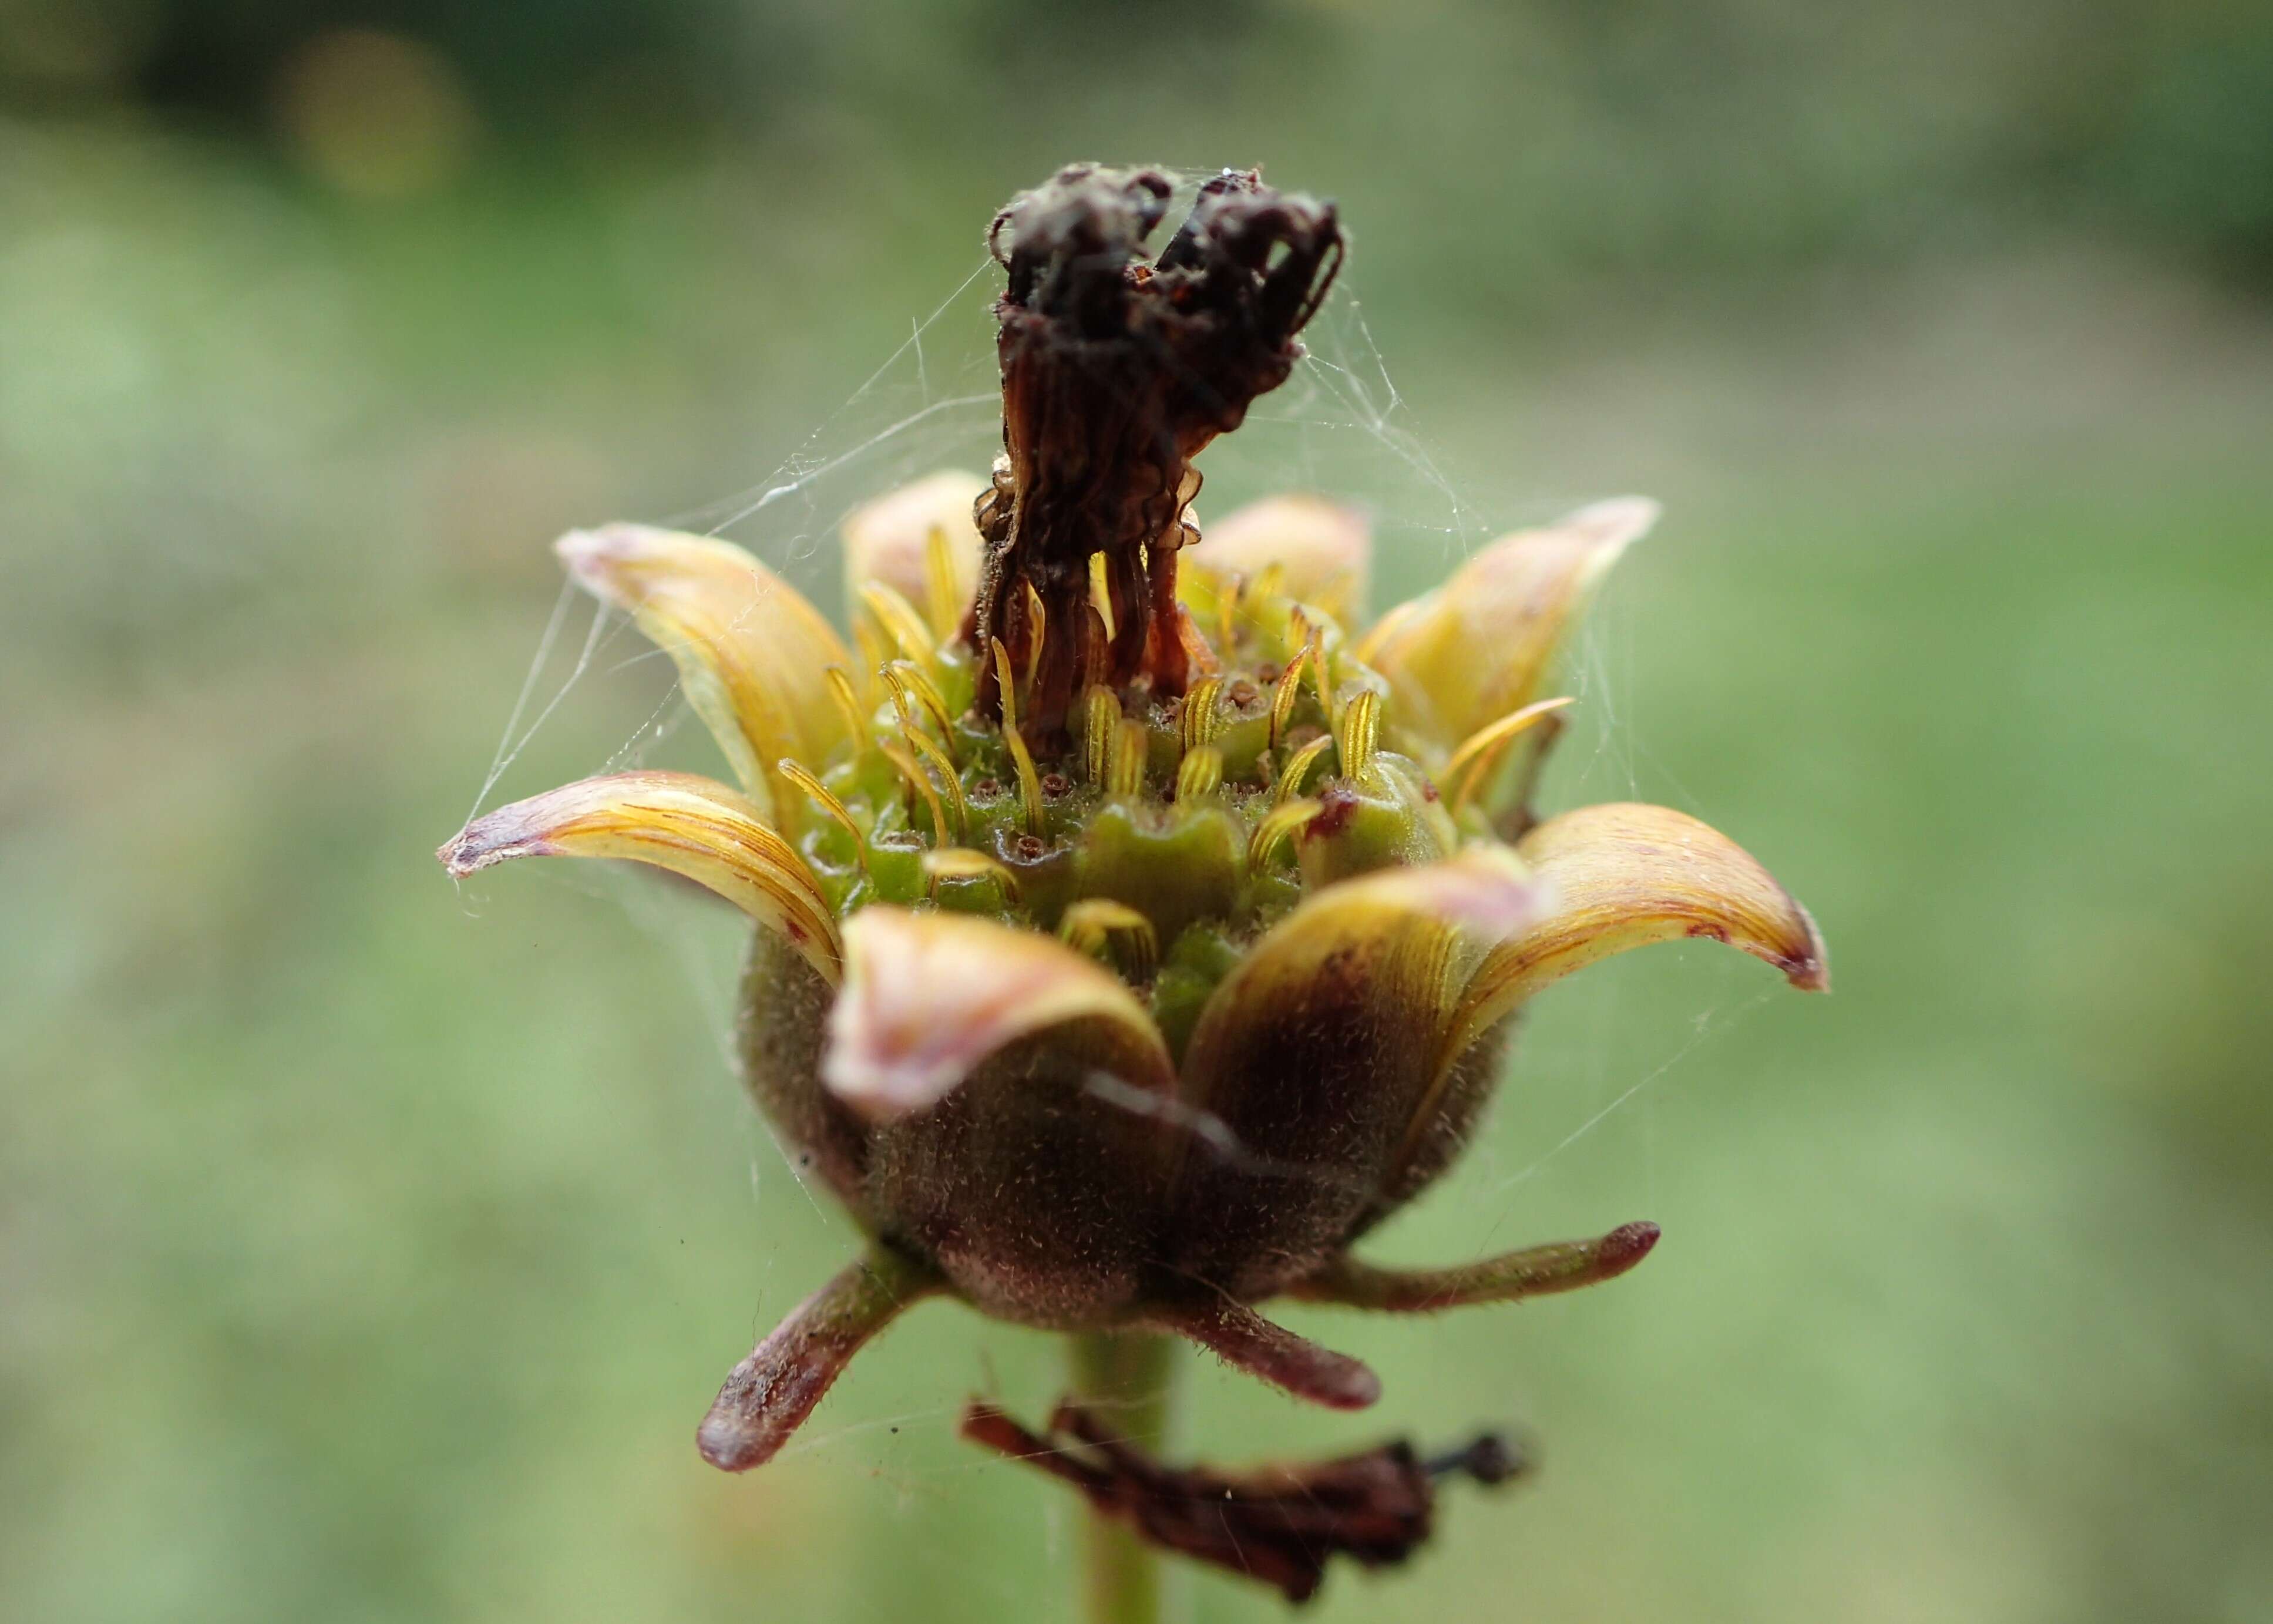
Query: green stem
x,y
1128,1377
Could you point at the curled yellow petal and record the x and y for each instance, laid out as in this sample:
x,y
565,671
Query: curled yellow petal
x,y
1095,924
677,820
1480,646
1385,948
1324,549
922,542
751,654
927,997
1623,876
1313,1053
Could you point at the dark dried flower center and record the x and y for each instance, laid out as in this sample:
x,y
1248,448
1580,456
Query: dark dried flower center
x,y
1116,371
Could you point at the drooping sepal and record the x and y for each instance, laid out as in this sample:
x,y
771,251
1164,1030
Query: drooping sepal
x,y
1536,1270
769,1394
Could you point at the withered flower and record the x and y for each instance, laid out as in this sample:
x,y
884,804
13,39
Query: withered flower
x,y
1137,927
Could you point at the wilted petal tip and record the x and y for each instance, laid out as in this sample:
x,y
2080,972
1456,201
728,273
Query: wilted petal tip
x,y
581,551
494,838
688,825
1616,521
463,854
1811,971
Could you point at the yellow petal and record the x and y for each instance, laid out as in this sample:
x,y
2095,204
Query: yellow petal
x,y
1481,645
927,997
1623,876
888,540
1313,1053
752,655
1324,549
678,820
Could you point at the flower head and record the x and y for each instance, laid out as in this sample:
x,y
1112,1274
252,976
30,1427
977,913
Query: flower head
x,y
1137,924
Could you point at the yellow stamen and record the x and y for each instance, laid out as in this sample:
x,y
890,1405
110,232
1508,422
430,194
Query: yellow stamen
x,y
1277,824
819,794
1100,714
1100,593
1298,769
1089,925
901,704
945,768
961,862
1283,696
926,692
1226,613
920,781
1037,626
1471,765
1197,722
1132,747
1315,654
1030,782
1200,773
1357,733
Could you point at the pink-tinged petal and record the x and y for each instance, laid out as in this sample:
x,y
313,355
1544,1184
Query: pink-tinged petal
x,y
752,655
1322,551
689,825
1480,646
929,997
768,1395
888,541
1623,876
1309,1060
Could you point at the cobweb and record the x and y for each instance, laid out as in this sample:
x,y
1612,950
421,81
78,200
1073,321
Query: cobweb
x,y
1340,427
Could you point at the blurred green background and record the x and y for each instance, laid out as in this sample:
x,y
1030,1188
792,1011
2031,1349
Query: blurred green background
x,y
369,1248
